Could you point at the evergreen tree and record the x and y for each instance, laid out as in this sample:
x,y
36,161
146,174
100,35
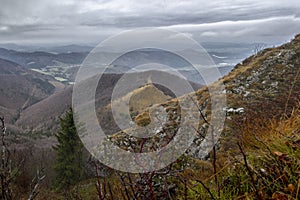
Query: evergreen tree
x,y
69,166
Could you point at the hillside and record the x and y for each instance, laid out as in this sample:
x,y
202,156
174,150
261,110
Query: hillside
x,y
20,88
43,116
40,59
139,100
265,85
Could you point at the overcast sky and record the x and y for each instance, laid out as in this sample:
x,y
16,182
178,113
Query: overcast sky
x,y
90,21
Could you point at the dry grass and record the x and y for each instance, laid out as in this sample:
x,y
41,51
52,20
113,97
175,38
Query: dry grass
x,y
267,166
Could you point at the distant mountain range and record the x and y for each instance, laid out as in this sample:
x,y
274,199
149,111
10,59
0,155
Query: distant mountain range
x,y
229,52
63,62
56,49
41,59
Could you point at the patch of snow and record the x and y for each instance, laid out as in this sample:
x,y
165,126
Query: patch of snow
x,y
275,84
263,170
233,110
240,110
157,131
246,93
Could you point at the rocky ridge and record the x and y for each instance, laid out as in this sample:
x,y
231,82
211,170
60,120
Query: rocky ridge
x,y
264,85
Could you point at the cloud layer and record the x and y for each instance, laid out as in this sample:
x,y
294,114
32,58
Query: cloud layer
x,y
90,21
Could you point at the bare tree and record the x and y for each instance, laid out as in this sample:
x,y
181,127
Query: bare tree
x,y
258,47
36,182
6,174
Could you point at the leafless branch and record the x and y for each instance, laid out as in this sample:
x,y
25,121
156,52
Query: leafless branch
x,y
36,181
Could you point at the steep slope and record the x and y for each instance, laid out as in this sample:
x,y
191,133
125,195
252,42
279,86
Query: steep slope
x,y
267,80
264,86
45,114
20,88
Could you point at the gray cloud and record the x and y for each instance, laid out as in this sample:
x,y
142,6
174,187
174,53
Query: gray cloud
x,y
79,21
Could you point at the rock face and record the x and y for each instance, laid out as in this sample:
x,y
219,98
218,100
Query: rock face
x,y
265,85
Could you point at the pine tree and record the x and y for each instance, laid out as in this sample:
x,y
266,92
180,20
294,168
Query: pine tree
x,y
68,165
